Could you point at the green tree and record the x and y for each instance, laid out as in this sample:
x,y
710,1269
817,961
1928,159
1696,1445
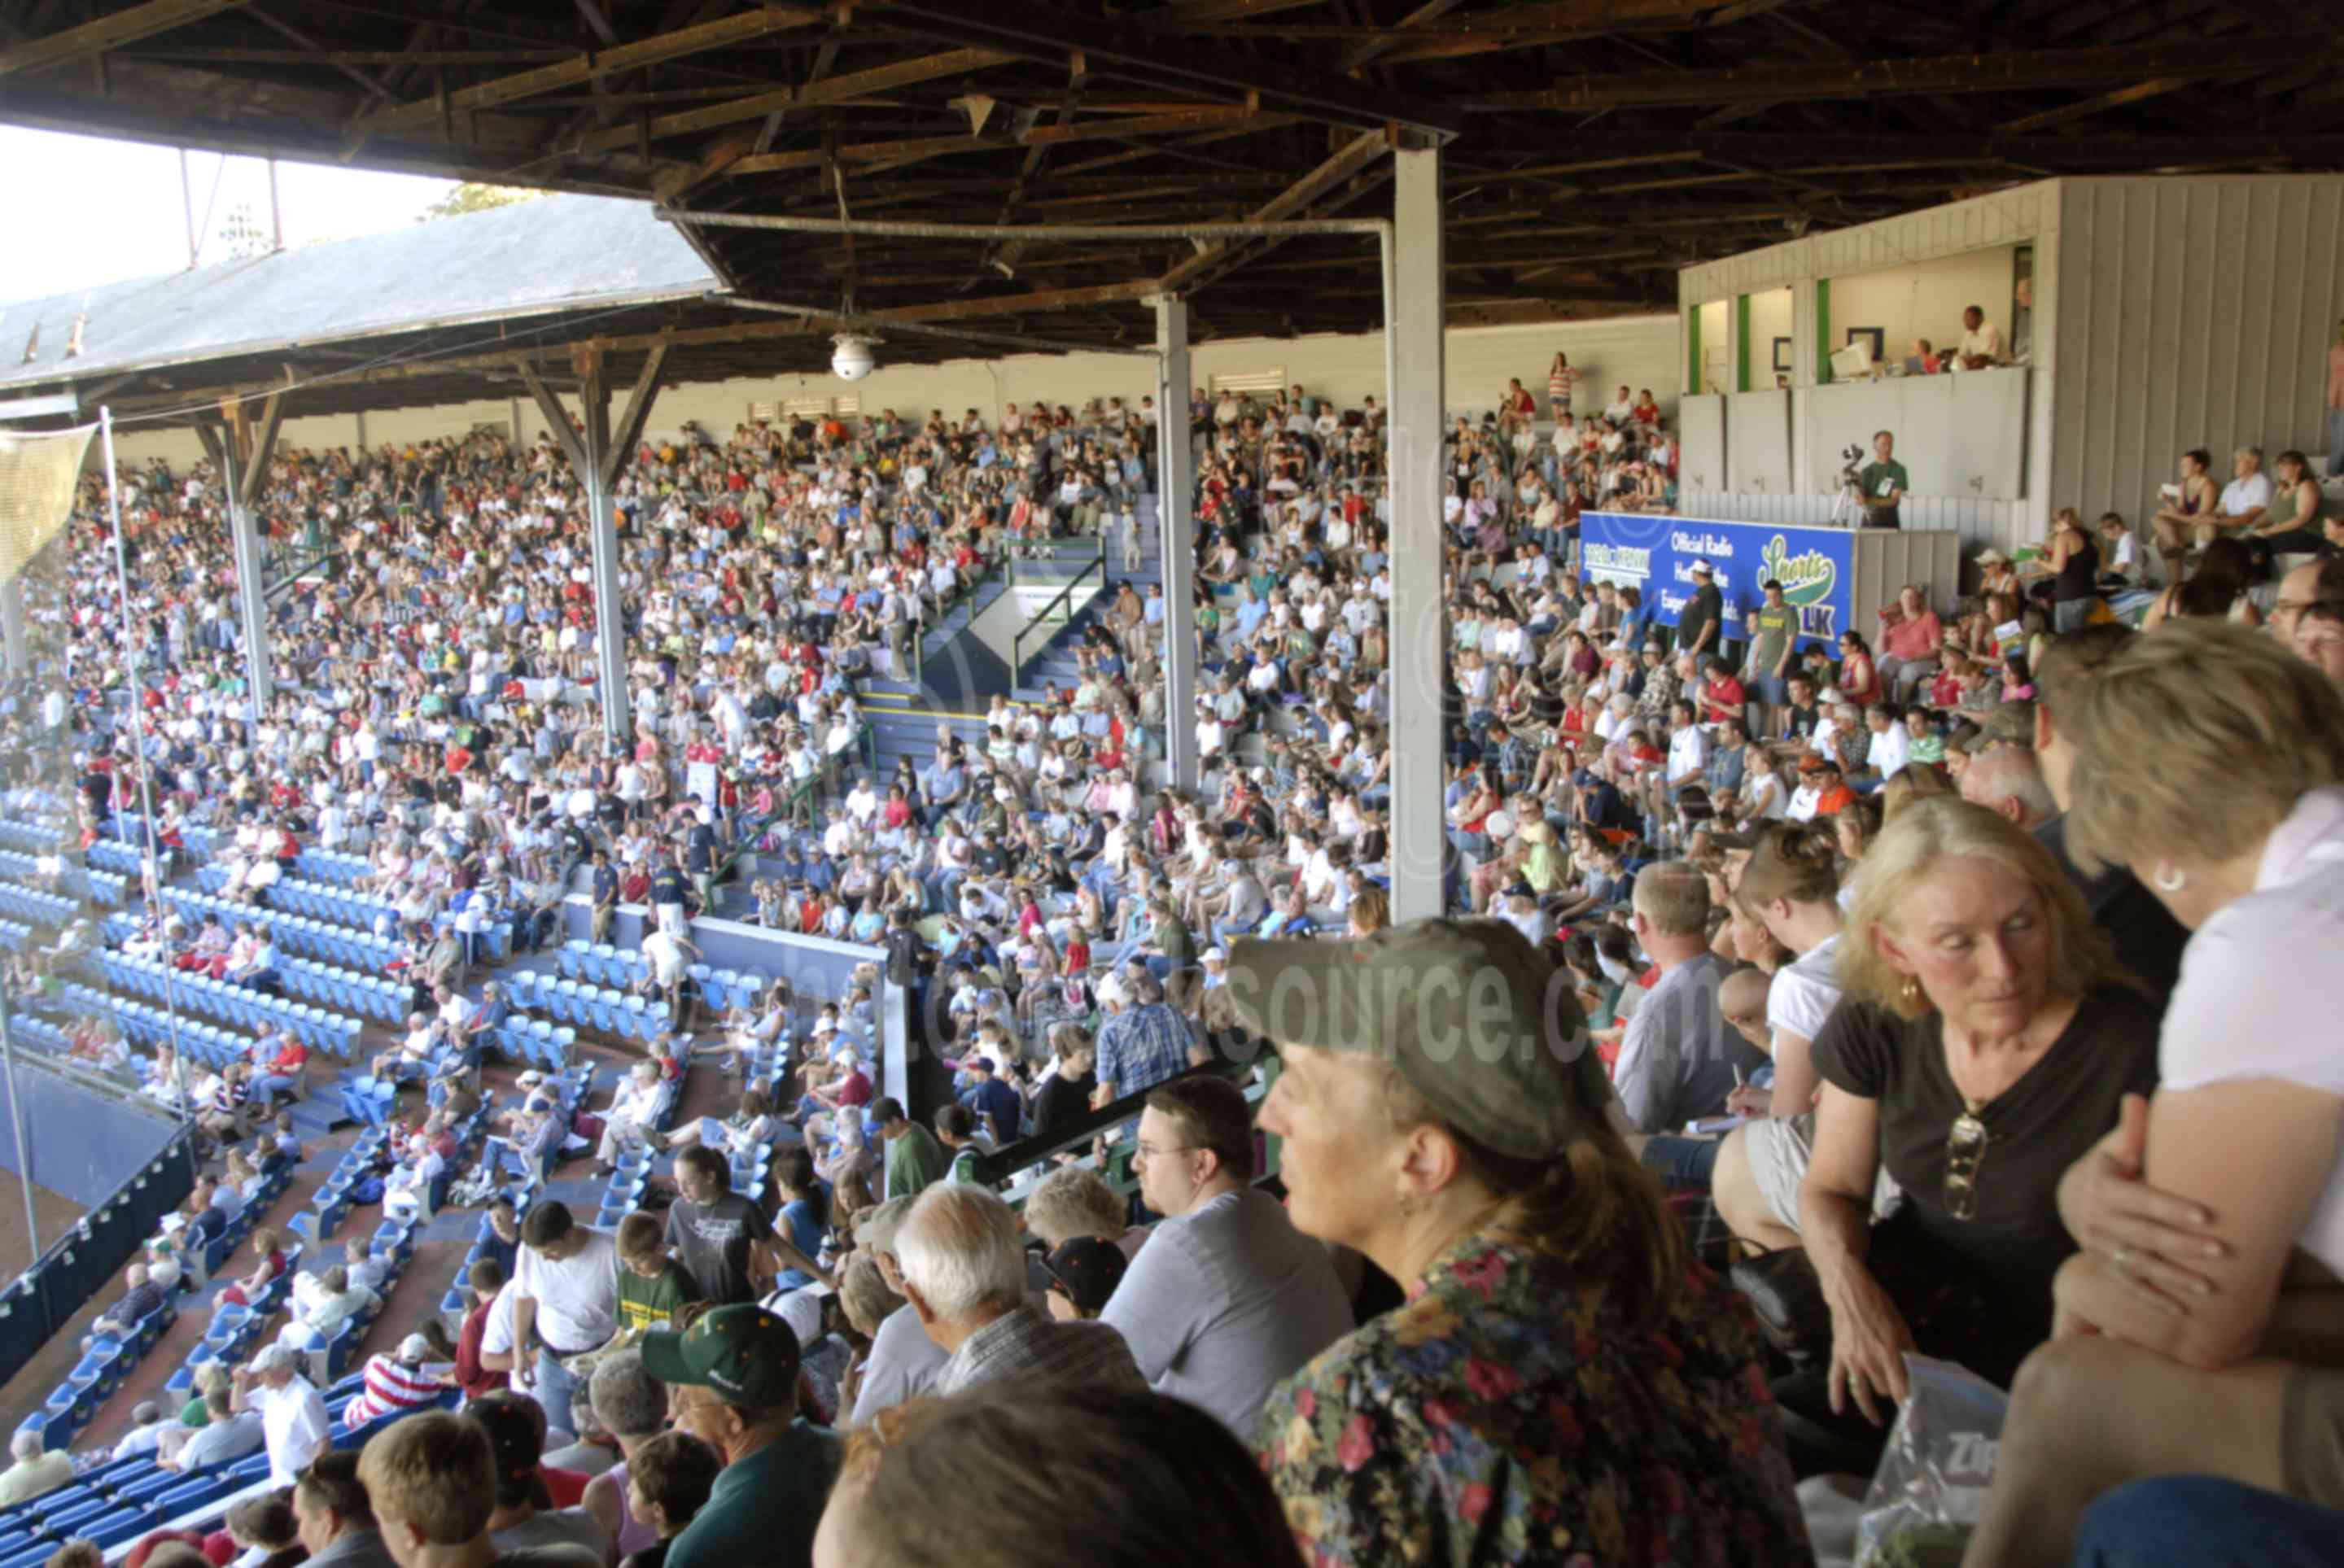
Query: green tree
x,y
474,196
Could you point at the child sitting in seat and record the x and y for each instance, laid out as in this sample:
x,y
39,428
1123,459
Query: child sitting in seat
x,y
669,1480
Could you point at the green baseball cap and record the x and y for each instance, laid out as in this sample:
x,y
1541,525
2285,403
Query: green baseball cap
x,y
744,1352
1483,1025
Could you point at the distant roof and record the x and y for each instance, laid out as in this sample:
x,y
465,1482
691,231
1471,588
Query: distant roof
x,y
557,254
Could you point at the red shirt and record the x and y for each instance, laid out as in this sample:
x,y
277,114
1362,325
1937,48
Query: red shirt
x,y
474,1379
1725,697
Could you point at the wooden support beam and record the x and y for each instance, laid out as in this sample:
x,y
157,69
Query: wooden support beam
x,y
880,79
147,20
630,428
263,437
2099,103
1345,162
557,418
1036,31
1424,15
2073,155
420,116
215,446
515,57
915,149
1942,74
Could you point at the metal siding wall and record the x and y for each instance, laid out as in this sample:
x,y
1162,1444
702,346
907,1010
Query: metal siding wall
x,y
2193,313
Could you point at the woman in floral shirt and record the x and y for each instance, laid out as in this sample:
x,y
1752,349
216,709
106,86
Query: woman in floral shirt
x,y
1563,1384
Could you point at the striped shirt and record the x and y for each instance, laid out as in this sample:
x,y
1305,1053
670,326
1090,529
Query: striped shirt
x,y
1024,1345
390,1385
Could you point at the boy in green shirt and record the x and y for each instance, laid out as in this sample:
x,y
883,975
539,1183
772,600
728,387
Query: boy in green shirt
x,y
653,1286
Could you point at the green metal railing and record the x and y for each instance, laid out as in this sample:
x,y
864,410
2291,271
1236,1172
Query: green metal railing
x,y
1041,621
1011,1160
944,614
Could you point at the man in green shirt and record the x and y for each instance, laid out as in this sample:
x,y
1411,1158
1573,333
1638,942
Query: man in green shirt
x,y
1774,638
1885,483
915,1160
732,1379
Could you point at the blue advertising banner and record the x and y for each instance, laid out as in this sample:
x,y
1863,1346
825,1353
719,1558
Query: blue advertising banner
x,y
1654,555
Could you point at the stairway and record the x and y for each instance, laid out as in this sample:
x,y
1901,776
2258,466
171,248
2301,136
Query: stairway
x,y
959,674
1054,662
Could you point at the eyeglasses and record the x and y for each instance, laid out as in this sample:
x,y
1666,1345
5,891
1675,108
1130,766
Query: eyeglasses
x,y
1146,1153
1966,1143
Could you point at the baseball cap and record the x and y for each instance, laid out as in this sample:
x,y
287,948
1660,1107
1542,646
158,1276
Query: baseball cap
x,y
744,1352
1469,1013
1703,568
1088,1270
414,1348
1214,955
2011,724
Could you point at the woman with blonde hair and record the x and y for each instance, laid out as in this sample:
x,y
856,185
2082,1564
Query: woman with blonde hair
x,y
2199,1323
1985,1043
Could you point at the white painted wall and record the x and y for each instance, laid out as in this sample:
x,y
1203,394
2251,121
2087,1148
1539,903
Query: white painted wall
x,y
1642,351
1770,318
1716,348
1925,298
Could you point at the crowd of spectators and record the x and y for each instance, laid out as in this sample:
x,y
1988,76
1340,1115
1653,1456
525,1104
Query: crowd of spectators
x,y
1835,1003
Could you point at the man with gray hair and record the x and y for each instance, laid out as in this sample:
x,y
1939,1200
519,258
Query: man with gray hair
x,y
2009,782
964,1274
1142,1043
904,1360
35,1473
294,1425
630,1405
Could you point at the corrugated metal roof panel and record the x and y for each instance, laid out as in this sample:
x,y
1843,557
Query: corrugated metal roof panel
x,y
559,253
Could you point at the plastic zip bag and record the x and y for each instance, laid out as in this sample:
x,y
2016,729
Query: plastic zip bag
x,y
1932,1484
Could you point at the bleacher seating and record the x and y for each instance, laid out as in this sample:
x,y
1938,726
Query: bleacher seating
x,y
620,1014
103,887
314,1027
144,1025
35,908
328,941
35,837
115,1503
326,866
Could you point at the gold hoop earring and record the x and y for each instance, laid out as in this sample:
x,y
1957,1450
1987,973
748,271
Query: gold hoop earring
x,y
1912,991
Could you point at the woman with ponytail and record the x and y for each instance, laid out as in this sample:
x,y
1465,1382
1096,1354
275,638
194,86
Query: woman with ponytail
x,y
1792,887
1562,1381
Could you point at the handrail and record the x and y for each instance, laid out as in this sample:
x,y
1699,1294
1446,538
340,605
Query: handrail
x,y
943,613
1017,643
1011,1158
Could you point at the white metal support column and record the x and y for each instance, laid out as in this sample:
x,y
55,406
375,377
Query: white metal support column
x,y
1414,306
1176,483
12,625
252,592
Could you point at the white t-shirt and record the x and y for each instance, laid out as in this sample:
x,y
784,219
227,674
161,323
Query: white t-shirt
x,y
2228,1023
2240,497
294,1425
1987,341
577,1297
1804,994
